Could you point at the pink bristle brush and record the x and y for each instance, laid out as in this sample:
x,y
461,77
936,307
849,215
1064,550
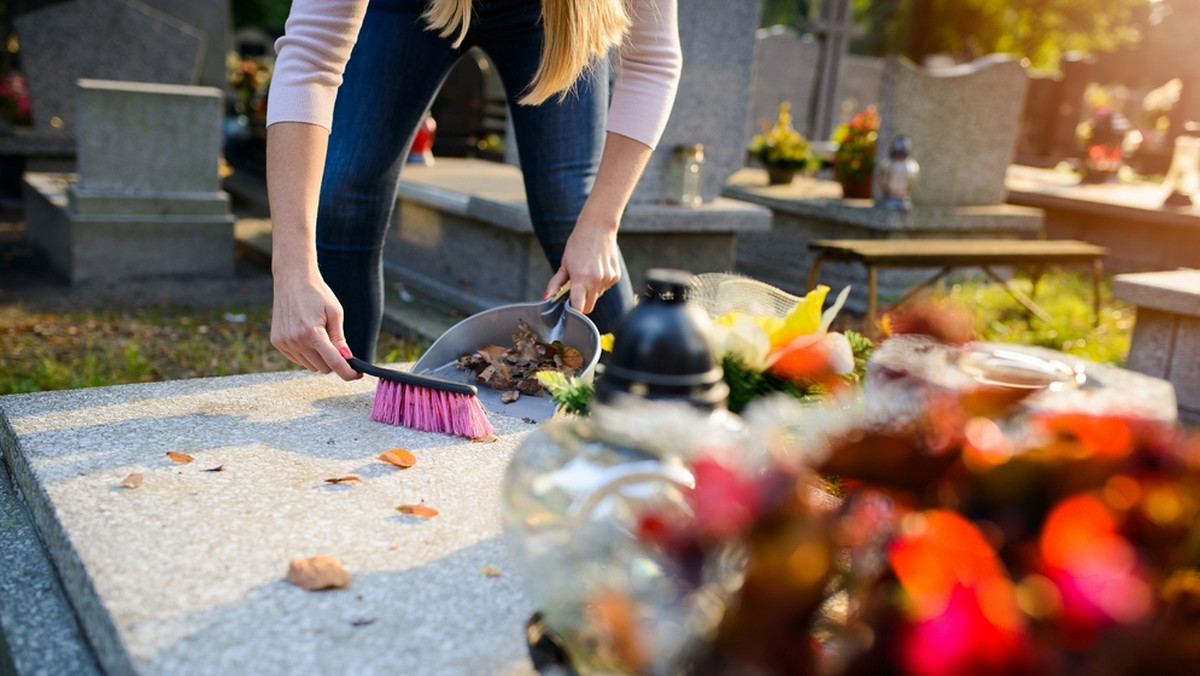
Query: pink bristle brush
x,y
425,403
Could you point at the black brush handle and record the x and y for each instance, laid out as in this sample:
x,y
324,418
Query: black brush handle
x,y
407,378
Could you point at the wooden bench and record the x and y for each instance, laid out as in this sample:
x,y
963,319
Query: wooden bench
x,y
949,254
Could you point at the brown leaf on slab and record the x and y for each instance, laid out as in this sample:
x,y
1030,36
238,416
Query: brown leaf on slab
x,y
317,573
134,480
342,479
490,571
218,468
182,458
489,439
399,457
509,396
418,510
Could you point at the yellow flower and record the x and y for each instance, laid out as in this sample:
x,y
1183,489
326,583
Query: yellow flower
x,y
796,346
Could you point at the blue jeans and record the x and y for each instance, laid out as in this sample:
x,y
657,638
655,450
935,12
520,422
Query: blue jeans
x,y
394,72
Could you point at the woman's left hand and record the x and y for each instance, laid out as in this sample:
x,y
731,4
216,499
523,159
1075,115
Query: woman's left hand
x,y
591,261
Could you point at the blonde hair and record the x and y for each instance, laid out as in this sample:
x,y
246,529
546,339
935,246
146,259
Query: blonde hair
x,y
578,33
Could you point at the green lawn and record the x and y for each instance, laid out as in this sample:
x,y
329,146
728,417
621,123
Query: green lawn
x,y
46,351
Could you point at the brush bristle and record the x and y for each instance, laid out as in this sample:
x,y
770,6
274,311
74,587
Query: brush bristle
x,y
430,410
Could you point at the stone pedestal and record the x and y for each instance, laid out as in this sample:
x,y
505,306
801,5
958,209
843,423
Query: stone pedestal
x,y
1166,336
146,200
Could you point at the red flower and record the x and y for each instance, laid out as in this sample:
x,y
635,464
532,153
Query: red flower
x,y
963,617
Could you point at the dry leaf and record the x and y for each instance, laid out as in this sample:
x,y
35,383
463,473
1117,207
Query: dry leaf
x,y
317,573
418,510
399,457
571,357
490,351
134,480
342,479
490,571
182,458
218,468
491,438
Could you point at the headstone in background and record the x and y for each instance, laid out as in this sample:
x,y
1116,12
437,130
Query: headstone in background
x,y
963,123
214,20
122,40
712,104
859,87
784,70
146,200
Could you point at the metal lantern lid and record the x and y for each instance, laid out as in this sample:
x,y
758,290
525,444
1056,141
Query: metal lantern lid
x,y
662,350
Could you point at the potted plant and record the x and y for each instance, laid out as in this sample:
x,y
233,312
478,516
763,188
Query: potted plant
x,y
854,158
782,150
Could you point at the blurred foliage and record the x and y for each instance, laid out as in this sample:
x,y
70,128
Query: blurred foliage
x,y
268,15
791,13
1041,30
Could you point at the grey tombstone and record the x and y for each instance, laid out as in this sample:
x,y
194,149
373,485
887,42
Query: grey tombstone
x,y
717,39
120,40
215,22
784,70
146,200
963,123
861,80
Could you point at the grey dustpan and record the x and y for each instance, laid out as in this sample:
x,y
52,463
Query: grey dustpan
x,y
496,326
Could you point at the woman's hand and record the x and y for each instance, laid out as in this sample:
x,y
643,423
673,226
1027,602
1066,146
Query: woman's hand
x,y
306,320
591,259
306,324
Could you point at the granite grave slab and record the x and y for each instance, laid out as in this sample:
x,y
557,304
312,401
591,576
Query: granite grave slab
x,y
185,574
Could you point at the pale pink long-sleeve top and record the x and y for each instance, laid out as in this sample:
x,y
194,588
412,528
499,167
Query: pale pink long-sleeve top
x,y
319,35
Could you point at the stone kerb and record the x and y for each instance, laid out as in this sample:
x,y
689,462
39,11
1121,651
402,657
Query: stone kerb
x,y
1166,336
963,122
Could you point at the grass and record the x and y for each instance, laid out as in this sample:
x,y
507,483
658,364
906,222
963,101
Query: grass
x,y
53,351
1066,296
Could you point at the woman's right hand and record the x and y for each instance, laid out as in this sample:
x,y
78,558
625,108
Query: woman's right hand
x,y
306,320
306,324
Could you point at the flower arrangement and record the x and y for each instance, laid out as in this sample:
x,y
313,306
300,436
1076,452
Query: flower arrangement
x,y
14,99
780,145
794,353
920,530
854,158
249,78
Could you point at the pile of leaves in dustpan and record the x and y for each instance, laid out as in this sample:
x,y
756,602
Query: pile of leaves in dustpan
x,y
513,370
